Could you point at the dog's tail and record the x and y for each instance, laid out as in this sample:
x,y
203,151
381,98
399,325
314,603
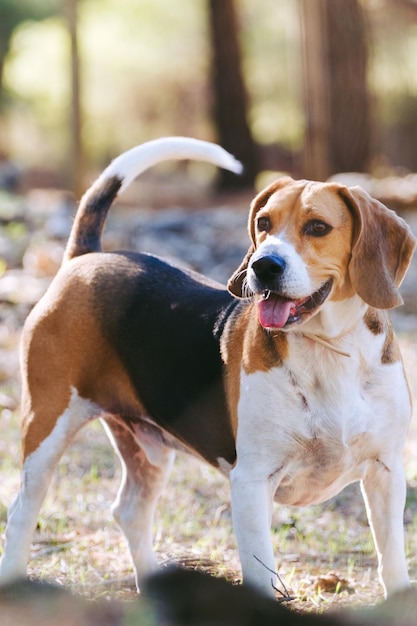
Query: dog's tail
x,y
91,215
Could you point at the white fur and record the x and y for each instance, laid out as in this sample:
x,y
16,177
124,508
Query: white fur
x,y
337,318
36,475
323,419
130,164
320,427
141,485
135,503
295,282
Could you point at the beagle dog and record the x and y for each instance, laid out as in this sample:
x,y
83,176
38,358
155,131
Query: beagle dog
x,y
290,381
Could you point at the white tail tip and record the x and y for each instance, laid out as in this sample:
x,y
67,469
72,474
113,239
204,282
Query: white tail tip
x,y
130,164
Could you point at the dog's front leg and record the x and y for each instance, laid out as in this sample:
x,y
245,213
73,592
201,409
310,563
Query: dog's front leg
x,y
384,491
251,512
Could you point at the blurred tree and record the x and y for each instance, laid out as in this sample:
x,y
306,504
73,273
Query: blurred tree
x,y
230,98
338,133
77,152
13,13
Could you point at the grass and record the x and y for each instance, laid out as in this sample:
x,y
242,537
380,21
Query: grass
x,y
78,544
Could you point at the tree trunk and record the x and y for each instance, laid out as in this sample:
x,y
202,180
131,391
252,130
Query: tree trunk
x,y
335,87
314,80
77,153
3,125
229,94
350,136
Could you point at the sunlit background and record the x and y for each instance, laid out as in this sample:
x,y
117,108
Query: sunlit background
x,y
144,69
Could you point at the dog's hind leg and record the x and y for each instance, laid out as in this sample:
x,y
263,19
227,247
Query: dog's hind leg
x,y
42,449
146,465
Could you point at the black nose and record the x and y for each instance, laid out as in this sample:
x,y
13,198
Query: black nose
x,y
269,267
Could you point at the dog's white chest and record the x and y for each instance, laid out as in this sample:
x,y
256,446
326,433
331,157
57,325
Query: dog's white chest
x,y
312,432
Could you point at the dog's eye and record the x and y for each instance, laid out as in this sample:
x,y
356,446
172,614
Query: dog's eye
x,y
264,224
317,228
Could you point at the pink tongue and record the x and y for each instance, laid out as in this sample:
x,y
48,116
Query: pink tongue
x,y
274,311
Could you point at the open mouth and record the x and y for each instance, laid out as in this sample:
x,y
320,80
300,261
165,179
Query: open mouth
x,y
278,312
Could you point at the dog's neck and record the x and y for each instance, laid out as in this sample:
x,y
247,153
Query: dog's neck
x,y
335,319
333,322
326,343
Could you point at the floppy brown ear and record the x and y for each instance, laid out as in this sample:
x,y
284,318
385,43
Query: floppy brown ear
x,y
382,249
237,281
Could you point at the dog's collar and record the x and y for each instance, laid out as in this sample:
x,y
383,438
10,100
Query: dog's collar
x,y
326,343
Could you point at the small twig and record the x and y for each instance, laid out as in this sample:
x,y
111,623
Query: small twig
x,y
285,596
58,547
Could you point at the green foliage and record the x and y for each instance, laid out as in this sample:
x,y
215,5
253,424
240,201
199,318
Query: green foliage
x,y
144,73
270,42
14,13
37,80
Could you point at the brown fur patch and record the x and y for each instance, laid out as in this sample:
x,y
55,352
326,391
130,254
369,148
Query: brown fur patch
x,y
231,349
65,351
378,322
381,251
391,350
262,349
246,344
375,321
91,215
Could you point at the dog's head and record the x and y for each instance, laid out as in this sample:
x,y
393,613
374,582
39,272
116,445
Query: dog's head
x,y
316,242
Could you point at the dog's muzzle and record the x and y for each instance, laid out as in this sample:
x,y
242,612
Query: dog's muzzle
x,y
275,309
